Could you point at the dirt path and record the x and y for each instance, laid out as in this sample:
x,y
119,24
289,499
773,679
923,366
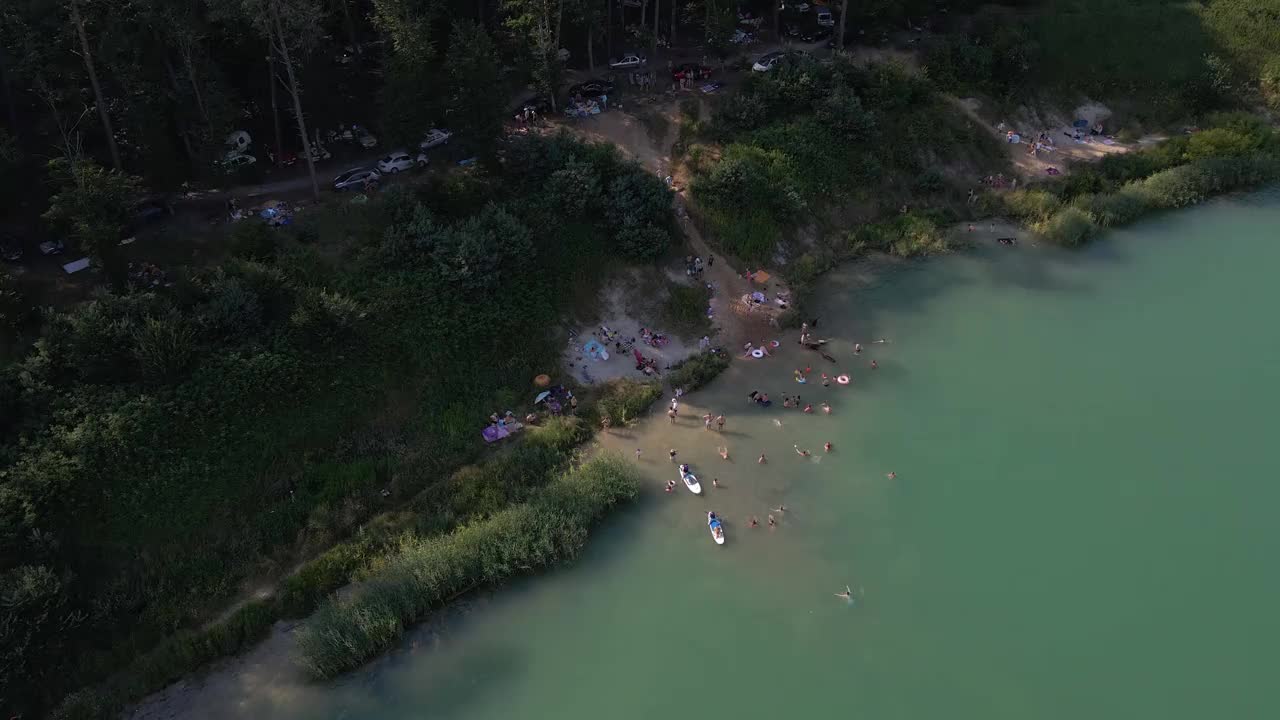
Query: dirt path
x,y
734,322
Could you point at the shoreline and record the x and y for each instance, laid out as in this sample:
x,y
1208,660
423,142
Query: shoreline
x,y
251,627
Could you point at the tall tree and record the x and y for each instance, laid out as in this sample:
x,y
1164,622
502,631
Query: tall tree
x,y
472,62
413,87
86,54
844,14
536,24
292,29
653,44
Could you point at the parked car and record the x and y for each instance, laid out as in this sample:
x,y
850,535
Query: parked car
x,y
396,161
593,88
435,137
801,7
742,38
768,61
819,33
537,103
236,160
366,139
791,30
355,179
825,18
693,71
630,60
10,248
52,247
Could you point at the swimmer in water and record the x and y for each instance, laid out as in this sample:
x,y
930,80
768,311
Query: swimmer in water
x,y
826,446
857,348
826,381
847,594
801,453
672,454
777,422
772,522
892,476
724,453
786,401
874,365
762,459
671,485
780,508
808,408
715,482
880,341
753,522
826,408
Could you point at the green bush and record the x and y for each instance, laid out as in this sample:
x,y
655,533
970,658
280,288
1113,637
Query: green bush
x,y
696,371
624,401
685,309
1070,226
253,240
427,572
1031,205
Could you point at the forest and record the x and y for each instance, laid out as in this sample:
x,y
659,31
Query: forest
x,y
161,445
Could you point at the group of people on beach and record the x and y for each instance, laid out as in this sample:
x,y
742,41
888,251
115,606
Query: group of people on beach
x,y
712,420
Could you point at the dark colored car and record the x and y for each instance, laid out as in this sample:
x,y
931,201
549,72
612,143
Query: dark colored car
x,y
538,103
593,88
820,32
10,248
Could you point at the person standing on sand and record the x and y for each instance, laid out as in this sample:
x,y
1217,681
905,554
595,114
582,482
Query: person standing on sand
x,y
715,482
720,423
724,453
637,454
706,421
604,423
672,415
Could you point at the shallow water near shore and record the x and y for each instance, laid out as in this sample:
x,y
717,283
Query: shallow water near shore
x,y
1082,522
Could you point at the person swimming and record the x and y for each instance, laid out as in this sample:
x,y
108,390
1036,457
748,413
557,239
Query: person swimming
x,y
753,522
780,508
772,522
808,408
874,365
857,348
892,476
672,454
847,594
715,482
827,446
762,459
801,453
724,453
826,408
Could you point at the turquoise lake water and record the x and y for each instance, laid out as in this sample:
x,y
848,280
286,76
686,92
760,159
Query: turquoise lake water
x,y
1082,523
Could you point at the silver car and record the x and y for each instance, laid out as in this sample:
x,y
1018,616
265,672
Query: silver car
x,y
355,179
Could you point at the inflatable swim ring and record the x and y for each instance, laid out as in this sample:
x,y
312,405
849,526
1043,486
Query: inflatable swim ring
x,y
757,353
774,344
843,379
801,379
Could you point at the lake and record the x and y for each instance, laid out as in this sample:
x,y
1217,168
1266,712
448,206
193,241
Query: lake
x,y
1082,522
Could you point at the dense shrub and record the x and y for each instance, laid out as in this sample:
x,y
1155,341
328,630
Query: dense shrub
x,y
624,401
426,572
1070,226
696,371
1031,205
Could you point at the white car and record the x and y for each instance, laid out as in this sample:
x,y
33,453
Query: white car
x,y
435,137
395,162
631,60
366,139
768,61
